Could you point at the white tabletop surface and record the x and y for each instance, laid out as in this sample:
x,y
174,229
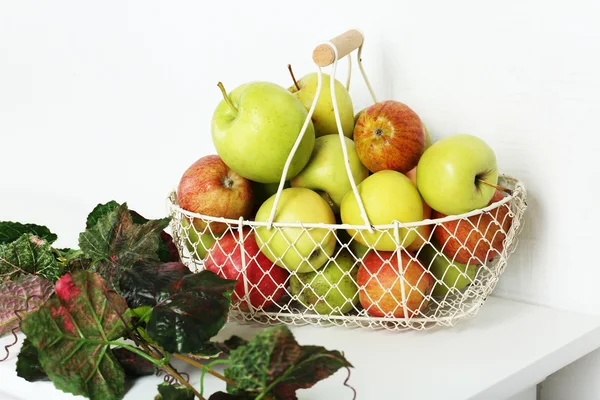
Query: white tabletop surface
x,y
506,348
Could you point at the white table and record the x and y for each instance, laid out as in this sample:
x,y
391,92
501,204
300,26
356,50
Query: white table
x,y
501,353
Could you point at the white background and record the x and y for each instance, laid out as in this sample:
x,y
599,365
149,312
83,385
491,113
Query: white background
x,y
113,100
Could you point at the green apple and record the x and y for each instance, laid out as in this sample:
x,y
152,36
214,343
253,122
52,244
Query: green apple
x,y
197,243
311,247
387,196
323,116
452,174
448,274
262,191
427,137
330,290
326,169
255,127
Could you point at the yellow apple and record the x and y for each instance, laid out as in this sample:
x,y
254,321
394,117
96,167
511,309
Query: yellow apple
x,y
311,248
387,196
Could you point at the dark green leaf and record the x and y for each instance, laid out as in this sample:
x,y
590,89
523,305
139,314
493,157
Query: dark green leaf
x,y
72,332
190,311
21,297
227,396
99,211
167,251
209,350
28,363
166,391
133,364
28,254
11,231
273,362
115,243
141,284
232,343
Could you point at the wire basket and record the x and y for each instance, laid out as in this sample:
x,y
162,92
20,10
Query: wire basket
x,y
430,273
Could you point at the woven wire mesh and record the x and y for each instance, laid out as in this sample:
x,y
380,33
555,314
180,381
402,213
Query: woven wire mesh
x,y
443,275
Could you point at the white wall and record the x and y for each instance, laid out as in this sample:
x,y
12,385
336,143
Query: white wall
x,y
114,99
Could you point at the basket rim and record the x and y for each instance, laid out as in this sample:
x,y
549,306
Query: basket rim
x,y
518,188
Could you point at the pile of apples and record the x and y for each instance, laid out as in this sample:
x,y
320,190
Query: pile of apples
x,y
400,176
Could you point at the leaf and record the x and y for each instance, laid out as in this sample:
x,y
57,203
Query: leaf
x,y
115,243
141,284
227,396
99,211
28,254
11,231
133,364
273,362
166,391
72,332
190,311
232,343
21,297
28,363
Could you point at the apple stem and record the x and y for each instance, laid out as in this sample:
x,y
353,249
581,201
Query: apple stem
x,y
226,97
293,77
498,187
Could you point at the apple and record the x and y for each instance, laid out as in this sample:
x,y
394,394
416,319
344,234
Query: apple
x,y
326,169
448,275
389,135
210,187
255,127
262,191
294,248
197,243
379,282
476,239
330,290
451,171
387,196
266,281
423,231
334,207
323,117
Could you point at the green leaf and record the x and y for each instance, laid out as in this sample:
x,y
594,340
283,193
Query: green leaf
x,y
21,297
228,396
133,364
11,231
99,211
166,391
141,284
115,243
73,332
74,260
28,254
275,364
190,311
28,363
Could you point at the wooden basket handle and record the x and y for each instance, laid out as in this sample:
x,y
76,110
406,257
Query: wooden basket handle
x,y
324,54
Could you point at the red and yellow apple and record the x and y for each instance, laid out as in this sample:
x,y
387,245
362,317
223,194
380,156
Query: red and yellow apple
x,y
210,187
266,281
389,135
379,282
476,239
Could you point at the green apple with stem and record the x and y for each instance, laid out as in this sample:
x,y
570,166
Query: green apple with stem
x,y
330,290
295,248
255,127
387,196
326,169
457,174
447,273
323,116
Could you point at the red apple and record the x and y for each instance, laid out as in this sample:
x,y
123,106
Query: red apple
x,y
476,239
210,187
266,281
424,231
380,292
389,135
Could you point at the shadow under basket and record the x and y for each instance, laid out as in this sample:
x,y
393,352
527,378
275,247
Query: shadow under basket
x,y
440,270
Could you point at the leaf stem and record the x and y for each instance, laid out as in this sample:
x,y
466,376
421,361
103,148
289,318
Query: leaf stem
x,y
226,97
140,353
293,77
497,187
206,368
182,381
202,366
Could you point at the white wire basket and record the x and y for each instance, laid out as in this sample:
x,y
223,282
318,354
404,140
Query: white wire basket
x,y
442,275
